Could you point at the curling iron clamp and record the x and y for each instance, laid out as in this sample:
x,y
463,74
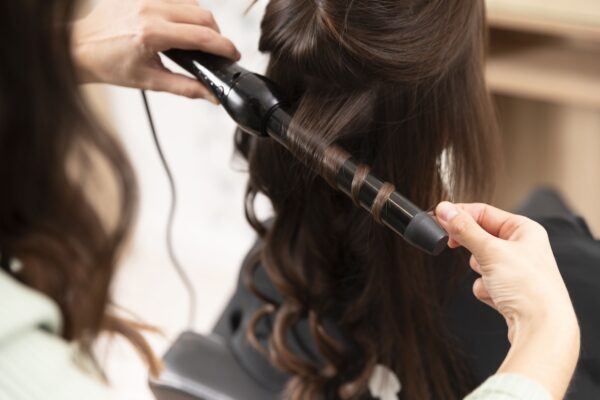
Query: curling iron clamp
x,y
254,103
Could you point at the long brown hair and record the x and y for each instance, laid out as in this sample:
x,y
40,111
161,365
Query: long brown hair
x,y
399,84
50,150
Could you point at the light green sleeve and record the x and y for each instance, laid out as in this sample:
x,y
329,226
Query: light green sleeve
x,y
509,387
35,362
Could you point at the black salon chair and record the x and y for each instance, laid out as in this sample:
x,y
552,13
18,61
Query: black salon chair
x,y
224,366
199,367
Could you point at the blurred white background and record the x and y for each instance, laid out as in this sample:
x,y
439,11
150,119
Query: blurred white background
x,y
211,234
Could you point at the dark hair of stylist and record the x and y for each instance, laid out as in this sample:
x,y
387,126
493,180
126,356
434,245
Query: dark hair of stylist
x,y
68,192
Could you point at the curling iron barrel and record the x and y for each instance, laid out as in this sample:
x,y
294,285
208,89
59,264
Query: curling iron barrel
x,y
254,103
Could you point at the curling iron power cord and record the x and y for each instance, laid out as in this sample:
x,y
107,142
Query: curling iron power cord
x,y
179,269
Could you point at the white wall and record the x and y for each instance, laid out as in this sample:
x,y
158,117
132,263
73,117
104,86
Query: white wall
x,y
211,234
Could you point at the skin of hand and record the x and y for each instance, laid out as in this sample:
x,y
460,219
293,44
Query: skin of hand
x,y
119,41
521,280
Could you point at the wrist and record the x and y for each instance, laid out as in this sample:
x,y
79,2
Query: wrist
x,y
545,349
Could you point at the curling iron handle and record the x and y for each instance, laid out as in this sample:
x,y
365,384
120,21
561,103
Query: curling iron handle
x,y
218,74
247,97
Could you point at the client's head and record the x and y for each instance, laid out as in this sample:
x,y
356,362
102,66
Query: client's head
x,y
399,84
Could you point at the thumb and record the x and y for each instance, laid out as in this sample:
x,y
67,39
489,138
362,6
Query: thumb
x,y
462,228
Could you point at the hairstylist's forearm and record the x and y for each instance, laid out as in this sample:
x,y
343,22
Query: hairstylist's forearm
x,y
545,350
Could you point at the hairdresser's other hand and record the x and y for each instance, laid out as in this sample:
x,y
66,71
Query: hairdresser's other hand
x,y
119,41
521,280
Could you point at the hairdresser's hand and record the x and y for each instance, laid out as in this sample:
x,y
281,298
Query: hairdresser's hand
x,y
119,41
520,279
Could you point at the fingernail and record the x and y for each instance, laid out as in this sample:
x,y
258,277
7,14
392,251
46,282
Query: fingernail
x,y
446,211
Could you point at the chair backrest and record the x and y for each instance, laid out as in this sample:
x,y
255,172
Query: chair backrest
x,y
199,367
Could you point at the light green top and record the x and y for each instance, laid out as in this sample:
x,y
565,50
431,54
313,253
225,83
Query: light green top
x,y
36,364
509,387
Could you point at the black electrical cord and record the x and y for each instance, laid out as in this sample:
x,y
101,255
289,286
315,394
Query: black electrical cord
x,y
183,276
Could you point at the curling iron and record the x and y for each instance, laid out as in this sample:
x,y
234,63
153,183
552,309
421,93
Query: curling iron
x,y
256,105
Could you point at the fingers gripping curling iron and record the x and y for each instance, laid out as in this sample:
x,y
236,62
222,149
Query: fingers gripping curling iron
x,y
254,103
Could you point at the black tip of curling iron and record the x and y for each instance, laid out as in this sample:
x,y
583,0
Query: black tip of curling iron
x,y
425,233
254,103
